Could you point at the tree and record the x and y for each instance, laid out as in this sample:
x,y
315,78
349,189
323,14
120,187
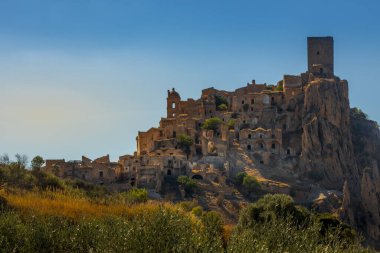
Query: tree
x,y
21,160
4,159
185,142
37,162
221,103
212,124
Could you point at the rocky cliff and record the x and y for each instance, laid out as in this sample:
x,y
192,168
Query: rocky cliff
x,y
327,152
341,151
362,204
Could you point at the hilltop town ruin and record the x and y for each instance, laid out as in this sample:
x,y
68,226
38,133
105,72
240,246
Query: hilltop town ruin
x,y
257,125
298,137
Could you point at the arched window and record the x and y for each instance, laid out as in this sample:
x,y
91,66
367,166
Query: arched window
x,y
262,145
249,136
288,151
173,105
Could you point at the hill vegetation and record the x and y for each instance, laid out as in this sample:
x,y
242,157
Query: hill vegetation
x,y
42,213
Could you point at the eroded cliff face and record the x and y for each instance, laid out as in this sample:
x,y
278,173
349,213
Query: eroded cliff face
x,y
327,152
362,207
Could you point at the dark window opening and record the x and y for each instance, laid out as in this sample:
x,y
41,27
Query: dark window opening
x,y
169,172
261,162
249,136
197,176
284,127
261,136
100,173
288,152
242,102
317,52
273,146
252,101
321,70
249,147
174,134
261,145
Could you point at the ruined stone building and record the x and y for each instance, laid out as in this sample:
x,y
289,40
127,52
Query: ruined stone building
x,y
264,122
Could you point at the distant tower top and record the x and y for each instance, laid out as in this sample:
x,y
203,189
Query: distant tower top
x,y
320,53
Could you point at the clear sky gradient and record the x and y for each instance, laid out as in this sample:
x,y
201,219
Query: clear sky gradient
x,y
83,76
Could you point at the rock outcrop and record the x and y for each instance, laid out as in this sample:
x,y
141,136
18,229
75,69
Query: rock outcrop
x,y
327,152
361,203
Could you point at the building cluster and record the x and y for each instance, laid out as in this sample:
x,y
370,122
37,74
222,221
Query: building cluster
x,y
261,120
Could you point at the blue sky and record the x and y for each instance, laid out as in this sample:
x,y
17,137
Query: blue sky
x,y
83,76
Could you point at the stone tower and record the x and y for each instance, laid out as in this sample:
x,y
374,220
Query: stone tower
x,y
320,53
173,103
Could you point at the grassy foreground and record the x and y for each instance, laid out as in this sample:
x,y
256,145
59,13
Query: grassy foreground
x,y
52,221
41,213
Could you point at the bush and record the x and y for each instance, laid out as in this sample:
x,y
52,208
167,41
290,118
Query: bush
x,y
219,100
189,184
279,87
185,142
222,107
273,207
357,113
239,177
231,123
212,124
197,211
136,195
46,180
275,224
251,183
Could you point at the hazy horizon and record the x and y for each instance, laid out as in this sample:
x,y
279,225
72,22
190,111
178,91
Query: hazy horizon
x,y
83,77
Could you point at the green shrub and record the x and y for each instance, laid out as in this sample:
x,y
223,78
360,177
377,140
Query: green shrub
x,y
222,107
212,124
239,177
279,87
357,113
197,211
251,183
185,142
137,195
46,180
189,184
231,123
273,207
220,100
